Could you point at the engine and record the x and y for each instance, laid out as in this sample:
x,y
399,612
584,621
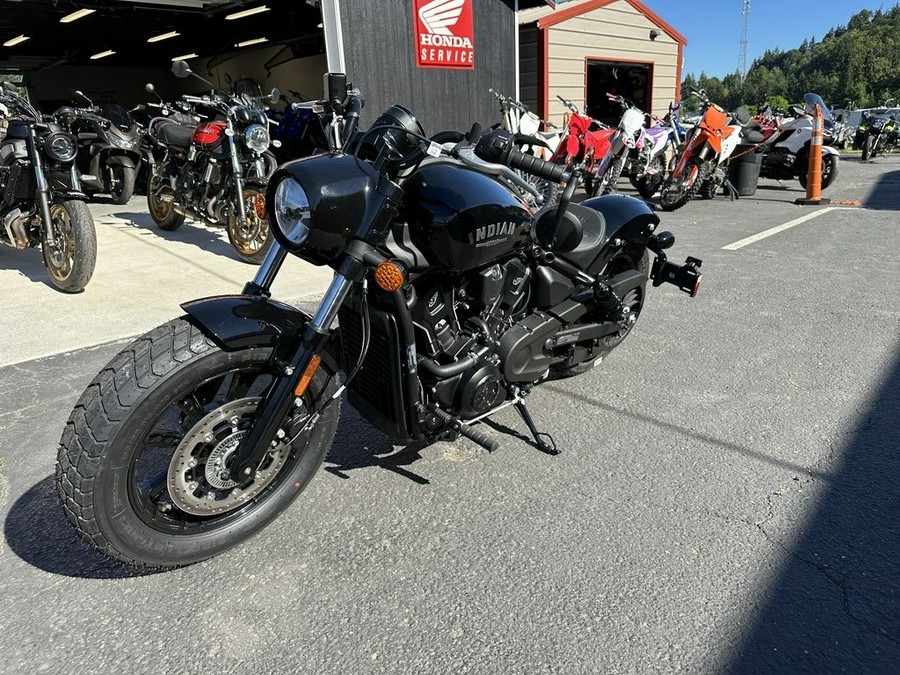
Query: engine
x,y
466,323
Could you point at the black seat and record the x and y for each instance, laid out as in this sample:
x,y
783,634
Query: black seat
x,y
178,135
752,132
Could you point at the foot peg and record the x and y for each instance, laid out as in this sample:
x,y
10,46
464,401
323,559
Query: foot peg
x,y
544,441
464,429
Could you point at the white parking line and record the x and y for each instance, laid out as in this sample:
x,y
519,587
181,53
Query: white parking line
x,y
775,230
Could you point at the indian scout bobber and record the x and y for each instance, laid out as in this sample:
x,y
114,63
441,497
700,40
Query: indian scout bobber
x,y
454,300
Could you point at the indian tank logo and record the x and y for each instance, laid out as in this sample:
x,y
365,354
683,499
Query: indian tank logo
x,y
444,33
492,234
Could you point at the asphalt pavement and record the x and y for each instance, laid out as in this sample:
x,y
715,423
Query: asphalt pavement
x,y
726,500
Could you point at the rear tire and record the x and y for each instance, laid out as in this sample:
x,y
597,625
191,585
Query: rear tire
x,y
141,463
162,212
70,261
635,300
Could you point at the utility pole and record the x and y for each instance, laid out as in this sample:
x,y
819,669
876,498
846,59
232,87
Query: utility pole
x,y
742,58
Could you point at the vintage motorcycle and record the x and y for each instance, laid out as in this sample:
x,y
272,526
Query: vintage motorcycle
x,y
454,300
42,203
216,172
108,150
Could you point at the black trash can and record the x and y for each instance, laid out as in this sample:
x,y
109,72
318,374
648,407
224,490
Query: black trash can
x,y
743,169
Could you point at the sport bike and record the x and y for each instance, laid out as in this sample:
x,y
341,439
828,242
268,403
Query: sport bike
x,y
108,148
216,172
42,203
453,299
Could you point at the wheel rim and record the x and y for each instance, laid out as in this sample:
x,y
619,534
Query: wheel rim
x,y
159,209
60,257
178,482
249,235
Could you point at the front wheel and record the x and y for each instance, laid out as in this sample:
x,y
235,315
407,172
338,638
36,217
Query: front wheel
x,y
867,148
830,164
678,192
71,259
143,462
121,184
250,236
161,203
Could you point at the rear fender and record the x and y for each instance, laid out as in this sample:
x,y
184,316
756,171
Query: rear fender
x,y
628,220
236,322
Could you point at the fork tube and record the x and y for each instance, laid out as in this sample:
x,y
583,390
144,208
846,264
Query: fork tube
x,y
238,177
268,270
43,190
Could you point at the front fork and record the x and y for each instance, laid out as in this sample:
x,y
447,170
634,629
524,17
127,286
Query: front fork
x,y
238,175
43,192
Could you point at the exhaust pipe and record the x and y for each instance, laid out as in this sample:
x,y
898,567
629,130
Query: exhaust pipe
x,y
14,224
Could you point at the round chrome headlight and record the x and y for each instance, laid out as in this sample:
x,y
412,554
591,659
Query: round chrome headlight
x,y
292,213
257,138
60,147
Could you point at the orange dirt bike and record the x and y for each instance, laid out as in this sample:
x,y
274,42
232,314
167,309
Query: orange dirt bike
x,y
700,168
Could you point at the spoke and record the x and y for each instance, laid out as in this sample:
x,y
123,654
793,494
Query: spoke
x,y
157,486
192,408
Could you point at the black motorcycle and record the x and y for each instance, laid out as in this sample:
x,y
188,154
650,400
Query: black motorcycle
x,y
454,300
108,148
216,171
42,203
876,135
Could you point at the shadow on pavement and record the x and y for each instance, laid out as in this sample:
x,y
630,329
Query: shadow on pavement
x,y
836,606
883,196
37,531
212,240
28,262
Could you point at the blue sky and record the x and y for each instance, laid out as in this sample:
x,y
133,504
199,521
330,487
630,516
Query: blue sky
x,y
713,27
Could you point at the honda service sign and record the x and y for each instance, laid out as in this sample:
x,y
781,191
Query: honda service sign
x,y
444,33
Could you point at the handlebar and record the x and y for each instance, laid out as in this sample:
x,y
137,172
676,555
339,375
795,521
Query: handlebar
x,y
498,147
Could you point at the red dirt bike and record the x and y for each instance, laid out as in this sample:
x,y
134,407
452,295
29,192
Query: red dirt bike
x,y
585,143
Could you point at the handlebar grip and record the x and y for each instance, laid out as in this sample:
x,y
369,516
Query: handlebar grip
x,y
516,159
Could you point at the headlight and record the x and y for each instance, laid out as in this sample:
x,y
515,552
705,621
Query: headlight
x,y
257,138
124,143
292,211
60,147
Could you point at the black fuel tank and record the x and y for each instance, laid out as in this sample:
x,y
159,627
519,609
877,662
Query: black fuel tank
x,y
462,219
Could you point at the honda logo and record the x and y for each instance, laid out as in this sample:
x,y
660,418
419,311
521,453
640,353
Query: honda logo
x,y
444,33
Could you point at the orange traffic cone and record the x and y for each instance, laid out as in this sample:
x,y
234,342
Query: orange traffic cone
x,y
814,173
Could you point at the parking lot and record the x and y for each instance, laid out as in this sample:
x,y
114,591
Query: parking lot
x,y
726,499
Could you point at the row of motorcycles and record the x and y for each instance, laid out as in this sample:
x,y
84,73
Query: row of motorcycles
x,y
660,156
207,157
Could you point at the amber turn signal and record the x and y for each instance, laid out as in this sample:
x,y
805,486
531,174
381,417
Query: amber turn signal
x,y
389,276
259,205
307,376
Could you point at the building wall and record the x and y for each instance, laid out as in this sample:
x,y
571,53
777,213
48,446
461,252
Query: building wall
x,y
379,54
618,32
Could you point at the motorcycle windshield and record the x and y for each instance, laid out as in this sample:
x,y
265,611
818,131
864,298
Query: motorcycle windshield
x,y
810,101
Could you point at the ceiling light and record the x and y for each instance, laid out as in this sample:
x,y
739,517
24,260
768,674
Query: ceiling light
x,y
246,12
74,16
319,25
15,41
164,36
247,43
102,55
185,57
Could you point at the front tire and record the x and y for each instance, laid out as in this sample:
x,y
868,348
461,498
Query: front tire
x,y
122,188
70,261
867,148
251,237
142,463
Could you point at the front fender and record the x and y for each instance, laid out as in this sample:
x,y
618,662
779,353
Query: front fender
x,y
236,322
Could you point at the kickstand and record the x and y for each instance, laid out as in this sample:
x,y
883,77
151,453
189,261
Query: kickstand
x,y
731,190
544,441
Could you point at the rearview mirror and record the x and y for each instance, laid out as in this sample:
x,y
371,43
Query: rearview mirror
x,y
275,96
149,88
181,69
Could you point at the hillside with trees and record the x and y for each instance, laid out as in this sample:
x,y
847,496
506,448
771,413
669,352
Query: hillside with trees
x,y
857,65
